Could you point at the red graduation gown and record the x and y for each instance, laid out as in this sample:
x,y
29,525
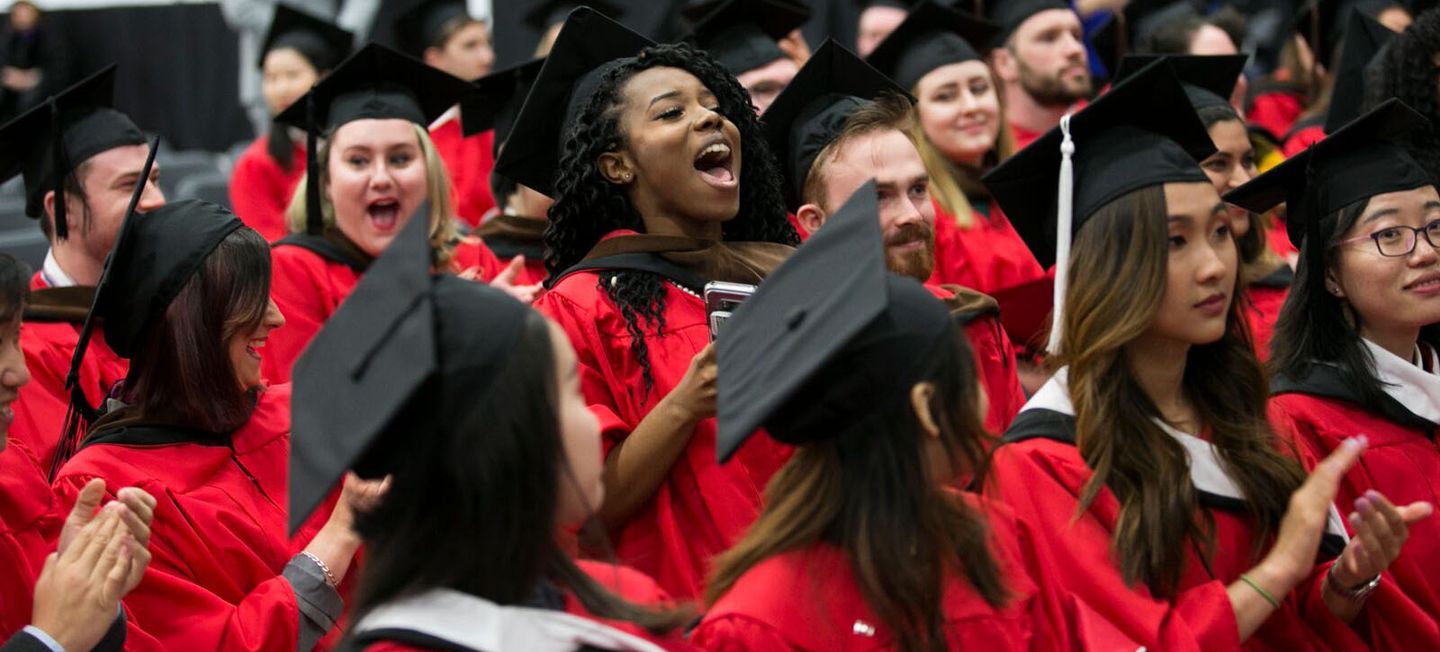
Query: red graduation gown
x,y
1302,137
1262,304
308,288
1275,111
469,162
217,541
994,363
808,600
1402,462
702,507
1042,480
261,190
29,528
628,583
40,410
987,257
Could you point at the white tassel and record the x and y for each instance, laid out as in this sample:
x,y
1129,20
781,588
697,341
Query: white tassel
x,y
1064,210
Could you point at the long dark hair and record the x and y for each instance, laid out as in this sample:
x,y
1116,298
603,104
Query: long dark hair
x,y
588,206
1125,244
1407,71
323,59
1315,326
181,373
870,492
473,504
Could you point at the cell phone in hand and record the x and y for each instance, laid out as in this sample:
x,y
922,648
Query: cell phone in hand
x,y
721,300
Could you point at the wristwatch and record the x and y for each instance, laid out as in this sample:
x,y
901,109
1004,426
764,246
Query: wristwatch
x,y
1357,594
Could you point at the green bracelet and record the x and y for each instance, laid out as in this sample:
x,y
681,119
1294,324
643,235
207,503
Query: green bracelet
x,y
1258,589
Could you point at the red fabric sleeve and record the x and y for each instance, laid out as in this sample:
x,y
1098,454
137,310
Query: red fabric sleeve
x,y
1041,488
579,326
171,611
737,633
260,191
296,286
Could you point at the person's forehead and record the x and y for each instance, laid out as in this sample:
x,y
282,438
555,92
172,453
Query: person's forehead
x,y
1047,20
884,154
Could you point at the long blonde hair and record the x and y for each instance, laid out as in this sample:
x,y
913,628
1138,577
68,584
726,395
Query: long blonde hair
x,y
437,187
948,179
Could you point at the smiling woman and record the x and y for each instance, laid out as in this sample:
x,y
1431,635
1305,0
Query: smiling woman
x,y
663,182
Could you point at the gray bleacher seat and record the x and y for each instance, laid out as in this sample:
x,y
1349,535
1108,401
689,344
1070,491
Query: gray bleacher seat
x,y
213,187
20,236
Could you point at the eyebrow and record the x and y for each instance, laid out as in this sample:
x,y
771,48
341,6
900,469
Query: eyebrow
x,y
663,96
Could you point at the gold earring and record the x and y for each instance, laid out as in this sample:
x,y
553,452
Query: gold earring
x,y
627,177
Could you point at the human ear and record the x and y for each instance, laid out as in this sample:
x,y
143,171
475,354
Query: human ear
x,y
616,168
920,396
811,218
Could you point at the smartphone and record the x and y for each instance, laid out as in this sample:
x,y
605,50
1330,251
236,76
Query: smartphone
x,y
721,300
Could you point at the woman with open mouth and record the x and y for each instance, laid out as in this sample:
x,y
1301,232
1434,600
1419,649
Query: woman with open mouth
x,y
1146,463
663,182
375,169
1355,348
185,296
936,55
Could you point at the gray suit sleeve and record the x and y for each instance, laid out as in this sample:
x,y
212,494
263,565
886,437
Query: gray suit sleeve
x,y
320,605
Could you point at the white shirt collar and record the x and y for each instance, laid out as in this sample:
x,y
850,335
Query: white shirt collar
x,y
51,273
479,624
1407,382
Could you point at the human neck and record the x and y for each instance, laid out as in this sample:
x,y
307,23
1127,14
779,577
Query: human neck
x,y
1021,110
1158,365
679,226
79,266
1400,342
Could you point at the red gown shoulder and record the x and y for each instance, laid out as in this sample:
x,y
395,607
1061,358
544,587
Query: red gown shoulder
x,y
994,357
1301,138
29,528
1262,308
307,288
1401,463
261,190
988,256
469,162
702,506
217,542
1275,111
43,402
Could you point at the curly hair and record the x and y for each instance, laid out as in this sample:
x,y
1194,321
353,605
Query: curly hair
x,y
1407,72
588,206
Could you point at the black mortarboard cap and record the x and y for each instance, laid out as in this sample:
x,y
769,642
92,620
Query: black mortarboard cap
x,y
1323,23
743,34
1362,159
810,112
544,14
894,4
404,338
1364,38
833,325
932,35
293,28
374,83
155,255
47,143
586,47
1208,80
1010,14
1142,133
424,24
494,100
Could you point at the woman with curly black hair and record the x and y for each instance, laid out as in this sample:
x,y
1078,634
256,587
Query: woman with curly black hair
x,y
663,182
1407,72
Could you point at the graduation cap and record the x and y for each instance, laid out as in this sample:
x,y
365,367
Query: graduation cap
x,y
155,255
423,23
931,36
1359,160
811,111
376,83
832,314
544,14
406,343
1364,38
587,46
1010,14
47,143
296,29
742,34
494,101
1142,133
1208,79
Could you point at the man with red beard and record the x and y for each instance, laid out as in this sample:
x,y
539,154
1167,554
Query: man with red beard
x,y
840,124
1040,59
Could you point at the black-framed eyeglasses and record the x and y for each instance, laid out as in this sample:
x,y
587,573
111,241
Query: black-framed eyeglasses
x,y
1398,241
